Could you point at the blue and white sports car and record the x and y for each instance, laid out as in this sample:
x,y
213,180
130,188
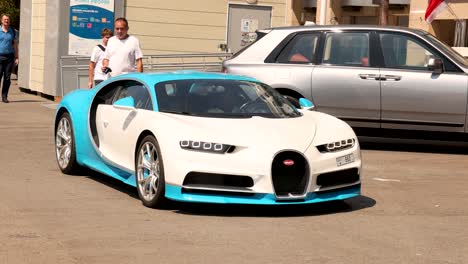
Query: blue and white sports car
x,y
207,137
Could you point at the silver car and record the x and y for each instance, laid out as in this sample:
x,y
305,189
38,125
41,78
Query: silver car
x,y
369,76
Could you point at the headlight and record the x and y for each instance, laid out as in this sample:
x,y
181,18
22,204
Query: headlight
x,y
337,146
206,146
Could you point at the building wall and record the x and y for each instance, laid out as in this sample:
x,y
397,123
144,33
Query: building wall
x,y
43,40
443,27
459,7
295,13
418,10
187,26
54,41
337,13
38,22
25,59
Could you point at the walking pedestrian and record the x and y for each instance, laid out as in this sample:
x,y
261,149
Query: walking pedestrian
x,y
123,52
96,75
8,54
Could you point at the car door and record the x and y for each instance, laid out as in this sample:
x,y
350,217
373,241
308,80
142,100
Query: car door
x,y
345,84
118,122
415,97
100,118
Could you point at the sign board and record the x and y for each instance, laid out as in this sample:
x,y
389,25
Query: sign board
x,y
87,19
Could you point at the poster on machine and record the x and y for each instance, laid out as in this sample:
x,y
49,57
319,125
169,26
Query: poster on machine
x,y
87,19
248,28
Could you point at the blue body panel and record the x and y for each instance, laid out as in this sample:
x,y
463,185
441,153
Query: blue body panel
x,y
175,193
77,104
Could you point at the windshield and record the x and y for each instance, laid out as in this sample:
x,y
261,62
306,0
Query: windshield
x,y
448,50
222,98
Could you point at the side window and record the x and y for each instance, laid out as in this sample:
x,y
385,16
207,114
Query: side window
x,y
347,48
107,93
301,49
400,51
139,93
171,96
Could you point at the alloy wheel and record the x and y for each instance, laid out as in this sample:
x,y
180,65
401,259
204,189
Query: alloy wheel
x,y
148,171
63,142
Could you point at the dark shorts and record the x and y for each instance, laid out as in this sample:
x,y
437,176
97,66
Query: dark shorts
x,y
96,82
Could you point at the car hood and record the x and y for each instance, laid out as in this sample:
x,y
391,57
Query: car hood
x,y
268,133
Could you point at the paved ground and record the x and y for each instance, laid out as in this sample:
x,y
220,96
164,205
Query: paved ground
x,y
413,210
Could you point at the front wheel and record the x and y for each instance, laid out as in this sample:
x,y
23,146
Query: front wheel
x,y
149,171
65,145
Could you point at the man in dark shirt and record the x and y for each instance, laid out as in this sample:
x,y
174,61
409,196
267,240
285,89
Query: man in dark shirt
x,y
8,54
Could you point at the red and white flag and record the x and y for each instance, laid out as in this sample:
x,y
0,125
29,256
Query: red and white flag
x,y
434,8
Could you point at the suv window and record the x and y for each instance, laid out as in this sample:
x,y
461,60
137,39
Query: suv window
x,y
402,52
455,55
347,48
301,49
259,34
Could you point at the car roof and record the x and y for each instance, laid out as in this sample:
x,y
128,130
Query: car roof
x,y
350,27
152,78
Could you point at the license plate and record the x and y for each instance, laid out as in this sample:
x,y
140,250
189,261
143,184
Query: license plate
x,y
345,160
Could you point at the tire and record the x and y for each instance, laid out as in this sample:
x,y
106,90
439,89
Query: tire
x,y
293,100
65,152
149,173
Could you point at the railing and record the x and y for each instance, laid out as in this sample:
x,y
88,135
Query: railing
x,y
204,62
74,69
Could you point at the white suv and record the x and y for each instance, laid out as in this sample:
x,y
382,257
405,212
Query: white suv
x,y
369,76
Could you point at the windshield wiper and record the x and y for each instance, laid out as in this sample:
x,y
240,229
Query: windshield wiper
x,y
224,115
240,115
176,112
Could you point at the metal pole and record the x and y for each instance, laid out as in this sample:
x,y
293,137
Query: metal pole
x,y
61,77
323,11
384,12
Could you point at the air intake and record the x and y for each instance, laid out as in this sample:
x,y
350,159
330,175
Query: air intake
x,y
217,180
338,178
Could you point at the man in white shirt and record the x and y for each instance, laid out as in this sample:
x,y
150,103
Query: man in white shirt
x,y
95,63
123,52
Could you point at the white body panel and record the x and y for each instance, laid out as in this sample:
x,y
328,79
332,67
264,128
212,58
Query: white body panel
x,y
257,140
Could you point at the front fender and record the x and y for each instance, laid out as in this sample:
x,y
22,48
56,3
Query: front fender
x,y
77,105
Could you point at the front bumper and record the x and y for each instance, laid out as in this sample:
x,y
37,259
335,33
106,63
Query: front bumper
x,y
178,194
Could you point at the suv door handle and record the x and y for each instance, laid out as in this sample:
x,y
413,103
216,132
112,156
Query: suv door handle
x,y
390,78
369,76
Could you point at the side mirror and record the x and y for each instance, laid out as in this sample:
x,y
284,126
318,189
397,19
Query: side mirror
x,y
126,103
436,65
306,104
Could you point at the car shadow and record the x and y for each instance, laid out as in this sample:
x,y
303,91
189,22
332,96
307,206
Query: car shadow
x,y
238,210
109,181
411,145
25,101
296,210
